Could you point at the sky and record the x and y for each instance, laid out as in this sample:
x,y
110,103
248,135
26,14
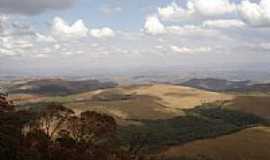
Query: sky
x,y
56,36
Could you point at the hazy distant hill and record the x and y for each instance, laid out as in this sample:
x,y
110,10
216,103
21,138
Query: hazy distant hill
x,y
264,87
61,87
216,84
152,101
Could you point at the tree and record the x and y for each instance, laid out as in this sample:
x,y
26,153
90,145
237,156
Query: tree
x,y
5,105
51,119
11,123
91,127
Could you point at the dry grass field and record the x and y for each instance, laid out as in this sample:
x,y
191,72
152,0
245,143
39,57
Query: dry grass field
x,y
258,105
152,101
248,144
157,101
26,98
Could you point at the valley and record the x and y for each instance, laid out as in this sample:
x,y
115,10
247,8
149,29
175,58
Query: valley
x,y
172,120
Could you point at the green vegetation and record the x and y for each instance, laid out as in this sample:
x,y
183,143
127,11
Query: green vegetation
x,y
199,123
148,119
53,132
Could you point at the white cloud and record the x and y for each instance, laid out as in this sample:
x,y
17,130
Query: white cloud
x,y
196,8
44,38
224,23
256,14
186,50
180,50
102,32
173,11
13,45
3,20
68,53
7,52
213,7
194,31
78,30
22,44
41,55
159,47
200,33
57,46
153,25
61,28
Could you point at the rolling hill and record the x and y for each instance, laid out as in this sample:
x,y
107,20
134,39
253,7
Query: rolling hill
x,y
155,101
248,144
263,87
216,84
258,105
58,87
152,101
221,85
173,116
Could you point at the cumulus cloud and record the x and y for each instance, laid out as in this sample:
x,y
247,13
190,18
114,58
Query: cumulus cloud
x,y
78,29
224,23
41,55
256,14
186,50
3,20
153,25
196,8
104,32
32,7
44,38
174,11
192,31
15,39
7,52
15,46
213,7
207,25
61,28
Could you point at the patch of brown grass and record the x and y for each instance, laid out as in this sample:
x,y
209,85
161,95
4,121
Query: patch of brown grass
x,y
151,101
139,107
25,98
249,144
179,97
258,105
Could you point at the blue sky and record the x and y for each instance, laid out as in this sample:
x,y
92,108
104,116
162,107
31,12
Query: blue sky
x,y
85,34
131,16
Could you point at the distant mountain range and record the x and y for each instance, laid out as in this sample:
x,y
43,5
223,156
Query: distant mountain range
x,y
254,88
59,87
213,84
